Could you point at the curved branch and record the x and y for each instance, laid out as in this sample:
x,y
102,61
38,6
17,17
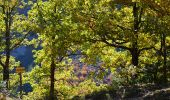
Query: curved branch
x,y
146,48
116,45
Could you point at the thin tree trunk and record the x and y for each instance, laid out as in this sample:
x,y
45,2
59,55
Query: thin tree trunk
x,y
155,74
52,80
165,59
52,70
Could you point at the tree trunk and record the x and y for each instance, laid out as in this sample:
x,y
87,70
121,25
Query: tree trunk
x,y
135,56
6,75
165,59
134,49
52,71
52,80
155,74
7,49
6,67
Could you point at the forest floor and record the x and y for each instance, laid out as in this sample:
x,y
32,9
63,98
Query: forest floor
x,y
144,92
7,96
135,92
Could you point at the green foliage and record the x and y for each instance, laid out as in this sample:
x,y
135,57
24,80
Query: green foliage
x,y
64,87
108,33
19,24
13,63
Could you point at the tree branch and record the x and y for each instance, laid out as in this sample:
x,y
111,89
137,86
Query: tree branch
x,y
1,63
116,45
18,44
119,43
41,16
123,28
158,9
146,48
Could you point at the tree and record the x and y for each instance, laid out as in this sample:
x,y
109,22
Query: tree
x,y
116,25
162,13
13,31
163,34
51,19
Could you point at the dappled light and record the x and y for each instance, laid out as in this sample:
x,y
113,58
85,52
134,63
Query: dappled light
x,y
84,49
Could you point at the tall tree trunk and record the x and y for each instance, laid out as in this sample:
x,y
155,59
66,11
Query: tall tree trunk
x,y
6,68
52,70
52,79
165,58
134,49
